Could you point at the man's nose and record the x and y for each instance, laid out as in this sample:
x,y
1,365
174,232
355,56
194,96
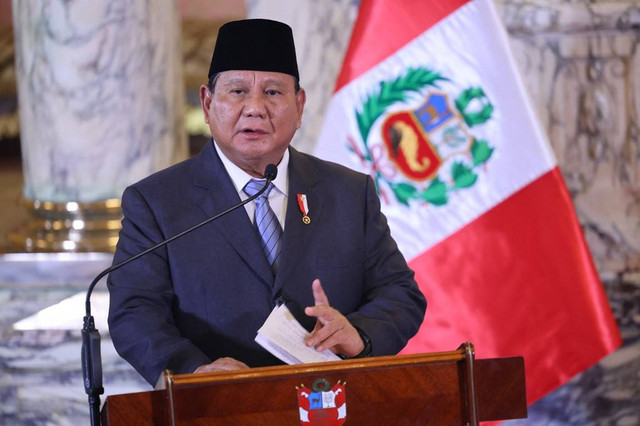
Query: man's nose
x,y
255,106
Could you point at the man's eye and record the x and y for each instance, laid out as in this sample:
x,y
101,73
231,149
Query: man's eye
x,y
272,92
237,91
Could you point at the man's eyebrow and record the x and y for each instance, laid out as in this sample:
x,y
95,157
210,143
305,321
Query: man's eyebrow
x,y
237,81
234,81
275,81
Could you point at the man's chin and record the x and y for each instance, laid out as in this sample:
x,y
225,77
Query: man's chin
x,y
261,153
254,162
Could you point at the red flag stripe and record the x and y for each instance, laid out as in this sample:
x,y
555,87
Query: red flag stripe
x,y
549,307
388,27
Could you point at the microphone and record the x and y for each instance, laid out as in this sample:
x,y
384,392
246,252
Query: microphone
x,y
270,173
91,356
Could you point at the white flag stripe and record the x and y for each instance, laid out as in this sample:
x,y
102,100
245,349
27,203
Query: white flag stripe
x,y
520,148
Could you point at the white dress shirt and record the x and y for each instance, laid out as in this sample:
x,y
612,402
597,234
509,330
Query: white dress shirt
x,y
277,196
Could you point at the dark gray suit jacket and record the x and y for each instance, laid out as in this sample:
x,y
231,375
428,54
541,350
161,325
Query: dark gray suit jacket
x,y
205,295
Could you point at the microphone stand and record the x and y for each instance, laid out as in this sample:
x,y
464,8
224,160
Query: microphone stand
x,y
91,355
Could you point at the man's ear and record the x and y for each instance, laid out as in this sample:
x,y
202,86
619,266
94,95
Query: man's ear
x,y
205,101
301,98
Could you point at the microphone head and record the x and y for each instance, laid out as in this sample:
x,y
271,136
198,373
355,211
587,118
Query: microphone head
x,y
270,172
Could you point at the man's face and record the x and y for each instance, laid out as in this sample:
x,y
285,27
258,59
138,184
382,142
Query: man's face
x,y
252,116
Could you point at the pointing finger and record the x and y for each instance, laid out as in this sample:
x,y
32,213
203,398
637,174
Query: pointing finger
x,y
319,295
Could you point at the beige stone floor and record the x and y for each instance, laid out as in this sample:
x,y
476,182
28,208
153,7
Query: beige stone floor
x,y
11,213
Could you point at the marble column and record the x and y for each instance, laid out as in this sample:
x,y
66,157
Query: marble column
x,y
101,99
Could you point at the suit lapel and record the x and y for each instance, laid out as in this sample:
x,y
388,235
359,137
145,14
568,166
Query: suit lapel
x,y
217,193
297,236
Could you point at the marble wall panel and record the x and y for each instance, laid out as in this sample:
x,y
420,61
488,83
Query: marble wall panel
x,y
100,93
581,64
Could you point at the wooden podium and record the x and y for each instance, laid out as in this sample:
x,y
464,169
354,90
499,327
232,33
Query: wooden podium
x,y
444,388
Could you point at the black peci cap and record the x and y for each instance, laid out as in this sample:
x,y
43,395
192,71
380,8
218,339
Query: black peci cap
x,y
255,45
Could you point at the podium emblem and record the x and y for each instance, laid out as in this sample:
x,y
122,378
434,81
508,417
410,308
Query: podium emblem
x,y
322,405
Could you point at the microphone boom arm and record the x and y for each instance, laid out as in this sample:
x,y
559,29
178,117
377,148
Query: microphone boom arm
x,y
91,356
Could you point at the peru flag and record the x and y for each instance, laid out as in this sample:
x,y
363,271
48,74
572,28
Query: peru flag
x,y
429,103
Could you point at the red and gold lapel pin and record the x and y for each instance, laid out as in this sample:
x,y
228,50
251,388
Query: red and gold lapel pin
x,y
304,208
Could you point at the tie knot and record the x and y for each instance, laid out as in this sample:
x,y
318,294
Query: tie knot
x,y
254,186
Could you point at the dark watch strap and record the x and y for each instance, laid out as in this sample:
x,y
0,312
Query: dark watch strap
x,y
366,352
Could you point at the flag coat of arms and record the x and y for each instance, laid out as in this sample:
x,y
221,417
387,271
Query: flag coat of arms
x,y
430,104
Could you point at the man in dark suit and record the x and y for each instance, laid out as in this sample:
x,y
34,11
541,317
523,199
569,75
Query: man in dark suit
x,y
318,242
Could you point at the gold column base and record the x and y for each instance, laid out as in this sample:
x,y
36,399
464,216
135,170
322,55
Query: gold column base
x,y
68,227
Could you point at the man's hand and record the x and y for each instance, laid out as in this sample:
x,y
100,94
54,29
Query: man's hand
x,y
222,364
332,331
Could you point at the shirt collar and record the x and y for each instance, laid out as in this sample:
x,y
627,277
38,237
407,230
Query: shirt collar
x,y
240,178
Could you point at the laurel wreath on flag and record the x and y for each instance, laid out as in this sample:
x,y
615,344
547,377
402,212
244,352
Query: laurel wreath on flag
x,y
414,80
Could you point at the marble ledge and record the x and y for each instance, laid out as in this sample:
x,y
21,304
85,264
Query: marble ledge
x,y
73,270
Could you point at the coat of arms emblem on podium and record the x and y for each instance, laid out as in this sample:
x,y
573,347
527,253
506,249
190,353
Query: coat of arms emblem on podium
x,y
322,405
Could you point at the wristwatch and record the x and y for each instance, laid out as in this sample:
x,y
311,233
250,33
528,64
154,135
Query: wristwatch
x,y
366,352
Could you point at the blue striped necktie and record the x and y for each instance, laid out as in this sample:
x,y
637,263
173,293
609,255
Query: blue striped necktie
x,y
266,221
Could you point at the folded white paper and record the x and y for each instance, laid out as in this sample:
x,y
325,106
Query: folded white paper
x,y
283,336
